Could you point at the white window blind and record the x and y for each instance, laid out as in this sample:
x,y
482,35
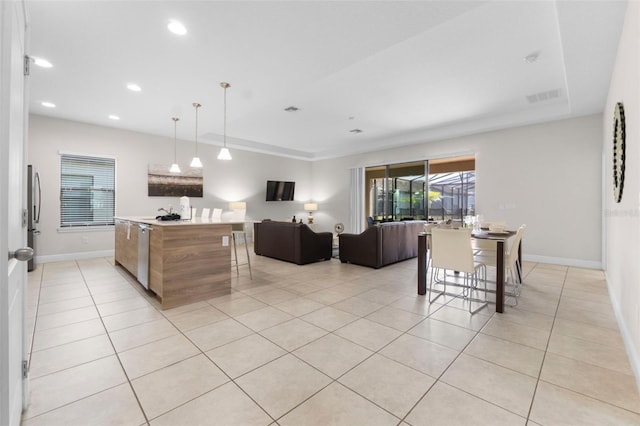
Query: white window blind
x,y
87,190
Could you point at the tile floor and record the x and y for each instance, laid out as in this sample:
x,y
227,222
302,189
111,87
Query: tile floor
x,y
323,344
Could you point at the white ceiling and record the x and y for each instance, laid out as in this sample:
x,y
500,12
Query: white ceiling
x,y
401,71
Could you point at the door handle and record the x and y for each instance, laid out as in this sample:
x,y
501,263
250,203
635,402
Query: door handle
x,y
22,254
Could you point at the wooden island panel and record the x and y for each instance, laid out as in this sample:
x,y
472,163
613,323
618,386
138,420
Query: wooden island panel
x,y
189,263
126,249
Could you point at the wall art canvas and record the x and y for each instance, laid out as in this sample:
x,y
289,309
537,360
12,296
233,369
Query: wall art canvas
x,y
162,183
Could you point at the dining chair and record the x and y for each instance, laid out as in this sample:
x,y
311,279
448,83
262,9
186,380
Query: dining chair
x,y
513,268
451,250
217,214
205,213
480,245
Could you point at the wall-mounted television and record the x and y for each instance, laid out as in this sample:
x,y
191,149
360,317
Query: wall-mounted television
x,y
278,190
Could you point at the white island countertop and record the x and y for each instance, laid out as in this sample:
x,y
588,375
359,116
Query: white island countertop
x,y
195,221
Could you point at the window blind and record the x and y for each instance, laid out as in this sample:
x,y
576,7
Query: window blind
x,y
87,190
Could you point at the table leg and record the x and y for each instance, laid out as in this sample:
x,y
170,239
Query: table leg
x,y
422,264
500,276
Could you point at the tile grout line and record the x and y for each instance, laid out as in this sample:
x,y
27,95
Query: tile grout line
x,y
124,371
544,357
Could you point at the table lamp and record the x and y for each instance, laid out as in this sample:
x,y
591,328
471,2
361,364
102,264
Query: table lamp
x,y
310,207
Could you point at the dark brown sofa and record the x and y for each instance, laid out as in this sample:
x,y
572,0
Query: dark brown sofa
x,y
293,242
382,244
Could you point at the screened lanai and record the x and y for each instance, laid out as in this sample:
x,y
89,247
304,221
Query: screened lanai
x,y
397,191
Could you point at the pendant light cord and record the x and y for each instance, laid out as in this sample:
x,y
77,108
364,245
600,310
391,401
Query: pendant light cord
x,y
225,116
175,149
196,105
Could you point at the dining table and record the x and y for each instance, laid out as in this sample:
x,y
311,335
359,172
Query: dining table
x,y
500,239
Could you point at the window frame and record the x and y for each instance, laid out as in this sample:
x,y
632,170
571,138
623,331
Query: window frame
x,y
87,166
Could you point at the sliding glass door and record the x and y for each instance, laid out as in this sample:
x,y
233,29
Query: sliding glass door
x,y
438,189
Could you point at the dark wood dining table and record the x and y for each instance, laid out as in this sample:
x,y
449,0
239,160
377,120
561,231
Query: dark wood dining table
x,y
499,238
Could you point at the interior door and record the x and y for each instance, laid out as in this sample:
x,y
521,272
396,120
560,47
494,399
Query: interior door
x,y
13,273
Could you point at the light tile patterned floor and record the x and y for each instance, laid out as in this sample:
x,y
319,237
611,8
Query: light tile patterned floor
x,y
323,344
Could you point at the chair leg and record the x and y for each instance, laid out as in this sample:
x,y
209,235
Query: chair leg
x,y
483,273
246,247
434,273
235,251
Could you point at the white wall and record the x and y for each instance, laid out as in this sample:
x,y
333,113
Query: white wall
x,y
547,176
243,178
622,220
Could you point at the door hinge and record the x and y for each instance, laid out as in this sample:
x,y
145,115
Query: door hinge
x,y
25,369
27,65
25,215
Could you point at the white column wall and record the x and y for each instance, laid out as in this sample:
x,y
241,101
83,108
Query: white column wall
x,y
622,220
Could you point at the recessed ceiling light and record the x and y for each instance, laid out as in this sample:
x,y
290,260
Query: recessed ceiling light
x,y
133,87
48,104
41,62
292,109
176,27
114,117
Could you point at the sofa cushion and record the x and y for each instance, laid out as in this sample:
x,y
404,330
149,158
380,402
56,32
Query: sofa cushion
x,y
382,244
292,242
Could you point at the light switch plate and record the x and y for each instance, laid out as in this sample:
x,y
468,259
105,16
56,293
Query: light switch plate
x,y
225,240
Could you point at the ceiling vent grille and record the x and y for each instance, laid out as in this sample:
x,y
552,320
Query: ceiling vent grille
x,y
292,109
356,131
543,96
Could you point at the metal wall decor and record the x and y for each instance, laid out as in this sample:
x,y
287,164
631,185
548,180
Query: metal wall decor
x,y
619,136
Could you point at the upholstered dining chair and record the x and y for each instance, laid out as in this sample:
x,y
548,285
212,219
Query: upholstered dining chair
x,y
205,213
217,214
451,250
513,268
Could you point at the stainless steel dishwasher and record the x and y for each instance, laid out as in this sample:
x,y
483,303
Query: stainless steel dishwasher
x,y
143,254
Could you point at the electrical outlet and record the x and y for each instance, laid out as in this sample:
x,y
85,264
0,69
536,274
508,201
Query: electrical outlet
x,y
225,240
85,240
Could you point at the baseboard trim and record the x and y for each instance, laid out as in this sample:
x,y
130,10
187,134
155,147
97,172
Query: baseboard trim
x,y
578,263
634,356
65,257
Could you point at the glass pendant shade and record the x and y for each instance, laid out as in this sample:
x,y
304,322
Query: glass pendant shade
x,y
224,154
195,162
174,167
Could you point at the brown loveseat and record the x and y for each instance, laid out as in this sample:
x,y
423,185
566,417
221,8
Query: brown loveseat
x,y
382,244
293,242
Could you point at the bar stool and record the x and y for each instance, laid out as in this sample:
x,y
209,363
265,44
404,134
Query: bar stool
x,y
239,210
237,231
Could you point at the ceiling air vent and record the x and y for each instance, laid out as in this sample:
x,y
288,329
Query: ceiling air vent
x,y
543,96
356,131
292,109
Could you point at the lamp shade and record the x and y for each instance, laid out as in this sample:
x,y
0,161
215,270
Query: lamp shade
x,y
238,205
196,162
224,154
311,207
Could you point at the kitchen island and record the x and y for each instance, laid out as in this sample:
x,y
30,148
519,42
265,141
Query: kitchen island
x,y
180,261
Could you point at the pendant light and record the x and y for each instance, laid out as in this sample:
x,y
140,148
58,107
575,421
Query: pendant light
x,y
174,167
196,160
224,152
